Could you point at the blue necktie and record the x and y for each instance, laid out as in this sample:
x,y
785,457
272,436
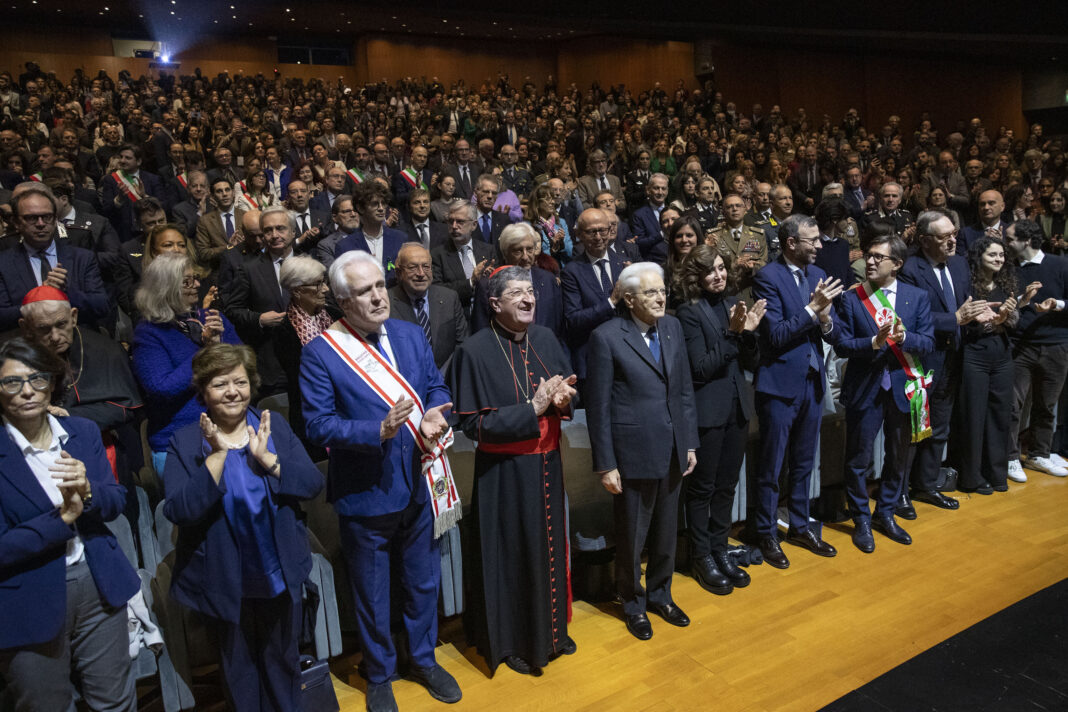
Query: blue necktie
x,y
229,226
422,316
654,343
487,227
802,287
374,338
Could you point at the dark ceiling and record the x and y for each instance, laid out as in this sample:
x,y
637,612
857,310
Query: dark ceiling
x,y
1002,29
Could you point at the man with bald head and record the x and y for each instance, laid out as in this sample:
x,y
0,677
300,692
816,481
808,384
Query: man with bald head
x,y
990,206
587,283
251,243
415,298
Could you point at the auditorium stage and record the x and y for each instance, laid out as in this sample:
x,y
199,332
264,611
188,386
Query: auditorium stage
x,y
795,639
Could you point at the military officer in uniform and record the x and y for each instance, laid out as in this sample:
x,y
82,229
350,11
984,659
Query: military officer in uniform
x,y
746,245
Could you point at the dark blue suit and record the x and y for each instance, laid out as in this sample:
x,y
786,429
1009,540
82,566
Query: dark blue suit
x,y
586,306
122,216
84,287
944,360
33,540
391,243
646,227
970,234
868,404
207,568
378,492
498,221
789,385
401,188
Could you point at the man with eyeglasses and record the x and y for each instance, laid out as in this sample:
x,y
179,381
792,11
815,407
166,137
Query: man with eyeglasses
x,y
346,220
887,332
40,259
466,170
643,436
460,262
436,309
790,383
371,200
597,180
945,277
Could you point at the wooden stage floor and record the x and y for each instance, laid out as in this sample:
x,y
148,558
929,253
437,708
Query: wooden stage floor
x,y
794,639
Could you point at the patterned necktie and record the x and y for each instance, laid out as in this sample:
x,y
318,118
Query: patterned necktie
x,y
654,342
466,261
303,224
604,184
229,225
606,279
422,316
422,235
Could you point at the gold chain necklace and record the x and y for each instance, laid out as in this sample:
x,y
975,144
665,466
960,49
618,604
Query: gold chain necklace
x,y
525,389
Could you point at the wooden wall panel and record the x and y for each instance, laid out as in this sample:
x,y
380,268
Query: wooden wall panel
x,y
471,60
638,64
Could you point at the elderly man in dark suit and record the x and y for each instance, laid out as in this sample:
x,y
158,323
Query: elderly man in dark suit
x,y
41,259
435,308
643,433
790,382
645,221
466,170
489,222
460,262
598,180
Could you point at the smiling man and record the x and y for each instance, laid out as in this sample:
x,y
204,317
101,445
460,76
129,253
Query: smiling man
x,y
371,201
436,309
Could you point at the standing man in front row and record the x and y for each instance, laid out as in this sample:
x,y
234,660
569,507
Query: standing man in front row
x,y
643,433
374,397
886,331
790,382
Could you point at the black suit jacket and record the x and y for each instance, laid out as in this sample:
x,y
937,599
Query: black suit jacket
x,y
449,272
448,325
439,234
255,290
640,413
475,167
717,357
122,216
101,237
498,222
84,288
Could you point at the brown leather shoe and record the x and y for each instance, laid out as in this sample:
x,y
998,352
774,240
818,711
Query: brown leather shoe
x,y
772,553
808,540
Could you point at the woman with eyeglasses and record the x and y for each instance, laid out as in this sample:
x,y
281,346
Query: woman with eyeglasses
x,y
64,581
174,325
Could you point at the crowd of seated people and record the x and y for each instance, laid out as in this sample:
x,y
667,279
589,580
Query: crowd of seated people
x,y
195,233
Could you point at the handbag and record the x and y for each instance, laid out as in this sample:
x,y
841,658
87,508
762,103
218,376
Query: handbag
x,y
316,687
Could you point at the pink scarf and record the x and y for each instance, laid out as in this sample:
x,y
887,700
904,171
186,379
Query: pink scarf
x,y
307,326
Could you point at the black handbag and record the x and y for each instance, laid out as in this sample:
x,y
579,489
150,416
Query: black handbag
x,y
316,687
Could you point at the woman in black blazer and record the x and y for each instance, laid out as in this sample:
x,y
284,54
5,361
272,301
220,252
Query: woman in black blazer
x,y
720,341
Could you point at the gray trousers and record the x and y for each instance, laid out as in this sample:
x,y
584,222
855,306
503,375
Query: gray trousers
x,y
91,650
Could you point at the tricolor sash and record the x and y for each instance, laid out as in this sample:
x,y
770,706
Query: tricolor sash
x,y
355,175
126,185
411,177
241,185
36,177
388,384
918,380
252,201
183,180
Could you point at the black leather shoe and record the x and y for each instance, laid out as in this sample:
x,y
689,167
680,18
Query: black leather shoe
x,y
671,613
569,647
639,626
772,553
1001,488
936,498
709,577
886,526
727,567
521,666
808,540
438,682
380,698
905,510
981,489
862,537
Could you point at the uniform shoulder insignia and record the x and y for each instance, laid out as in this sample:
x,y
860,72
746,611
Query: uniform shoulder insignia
x,y
137,254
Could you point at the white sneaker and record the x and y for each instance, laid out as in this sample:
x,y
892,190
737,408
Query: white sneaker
x,y
1045,464
1058,460
1016,473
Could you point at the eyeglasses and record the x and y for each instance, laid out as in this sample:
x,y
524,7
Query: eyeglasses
x,y
599,232
517,294
415,269
46,219
875,257
461,221
13,384
315,286
653,293
190,282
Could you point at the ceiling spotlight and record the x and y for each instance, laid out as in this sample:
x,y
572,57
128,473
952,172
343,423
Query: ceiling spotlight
x,y
166,58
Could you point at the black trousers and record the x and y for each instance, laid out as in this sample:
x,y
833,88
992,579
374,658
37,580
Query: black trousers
x,y
928,454
646,515
983,413
709,489
1040,371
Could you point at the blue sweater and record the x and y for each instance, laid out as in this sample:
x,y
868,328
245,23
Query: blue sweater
x,y
1050,328
163,365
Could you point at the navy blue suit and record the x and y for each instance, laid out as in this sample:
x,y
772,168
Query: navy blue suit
x,y
401,187
207,568
585,303
122,216
970,234
498,221
392,240
33,540
84,287
789,385
378,492
646,227
868,404
944,360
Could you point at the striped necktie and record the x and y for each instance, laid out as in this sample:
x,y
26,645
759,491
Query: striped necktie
x,y
422,316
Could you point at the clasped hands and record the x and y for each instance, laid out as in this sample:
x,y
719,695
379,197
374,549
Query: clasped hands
x,y
891,329
70,478
557,392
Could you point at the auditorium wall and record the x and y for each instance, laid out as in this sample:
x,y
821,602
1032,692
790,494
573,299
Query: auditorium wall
x,y
875,83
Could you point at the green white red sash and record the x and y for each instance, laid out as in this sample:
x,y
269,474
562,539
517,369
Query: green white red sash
x,y
355,175
388,384
918,380
126,185
37,177
183,180
252,201
411,177
241,186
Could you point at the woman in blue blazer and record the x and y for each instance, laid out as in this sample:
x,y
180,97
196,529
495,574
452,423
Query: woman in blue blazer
x,y
64,581
234,482
720,342
172,330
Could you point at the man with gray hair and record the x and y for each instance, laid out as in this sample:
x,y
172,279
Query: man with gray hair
x,y
643,434
436,309
373,396
512,387
460,262
597,180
